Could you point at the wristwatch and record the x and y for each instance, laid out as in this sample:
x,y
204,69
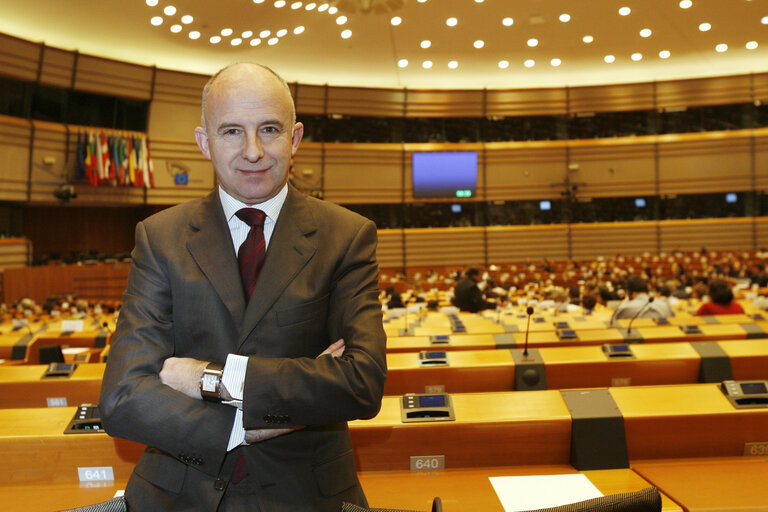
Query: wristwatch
x,y
210,383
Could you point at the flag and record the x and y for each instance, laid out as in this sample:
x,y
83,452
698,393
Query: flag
x,y
131,162
80,158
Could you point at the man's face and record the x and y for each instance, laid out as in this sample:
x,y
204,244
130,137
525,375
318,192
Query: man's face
x,y
249,136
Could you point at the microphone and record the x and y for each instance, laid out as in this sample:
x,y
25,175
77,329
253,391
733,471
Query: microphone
x,y
639,311
106,326
529,311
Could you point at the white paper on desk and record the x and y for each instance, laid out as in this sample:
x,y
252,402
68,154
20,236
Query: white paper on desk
x,y
72,326
518,493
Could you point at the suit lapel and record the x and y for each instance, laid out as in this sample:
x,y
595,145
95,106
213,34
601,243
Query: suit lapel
x,y
290,248
210,244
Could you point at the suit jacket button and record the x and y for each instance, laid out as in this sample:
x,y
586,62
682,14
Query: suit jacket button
x,y
220,484
268,418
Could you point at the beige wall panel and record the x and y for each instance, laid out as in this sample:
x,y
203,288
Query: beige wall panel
x,y
704,91
761,161
104,76
50,144
524,170
507,244
15,253
174,121
389,252
88,195
19,58
760,87
526,102
358,101
412,148
14,158
611,98
308,168
441,103
761,231
444,246
309,99
57,68
170,158
178,87
735,233
613,167
605,239
172,196
363,173
702,163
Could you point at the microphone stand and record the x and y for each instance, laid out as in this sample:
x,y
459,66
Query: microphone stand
x,y
529,311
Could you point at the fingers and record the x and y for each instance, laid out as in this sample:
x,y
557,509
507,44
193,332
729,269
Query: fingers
x,y
336,349
258,435
183,374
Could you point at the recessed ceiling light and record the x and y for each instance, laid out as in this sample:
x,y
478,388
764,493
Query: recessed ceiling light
x,y
279,4
236,41
751,45
646,32
396,21
264,33
296,5
333,10
226,32
664,54
247,34
187,19
341,20
176,28
273,41
624,11
453,64
421,1
425,44
310,6
169,10
529,63
156,21
532,42
555,62
637,57
685,4
322,8
565,17
705,27
346,34
427,64
587,39
610,59
299,30
194,34
722,47
152,3
508,22
503,64
764,20
402,63
282,32
478,44
255,42
215,39
479,1
451,22
258,1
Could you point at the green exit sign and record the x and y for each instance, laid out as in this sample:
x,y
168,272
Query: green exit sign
x,y
463,193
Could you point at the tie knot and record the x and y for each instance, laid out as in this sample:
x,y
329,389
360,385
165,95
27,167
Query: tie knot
x,y
251,216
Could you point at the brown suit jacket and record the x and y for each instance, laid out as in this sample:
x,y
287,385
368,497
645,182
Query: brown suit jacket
x,y
319,283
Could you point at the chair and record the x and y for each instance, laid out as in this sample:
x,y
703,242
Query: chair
x,y
645,500
437,506
116,504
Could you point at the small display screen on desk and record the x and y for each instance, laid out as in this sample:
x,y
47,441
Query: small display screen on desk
x,y
432,401
753,388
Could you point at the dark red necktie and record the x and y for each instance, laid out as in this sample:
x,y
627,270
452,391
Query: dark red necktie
x,y
252,251
250,256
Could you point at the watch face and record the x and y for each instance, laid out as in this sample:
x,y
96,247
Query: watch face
x,y
209,383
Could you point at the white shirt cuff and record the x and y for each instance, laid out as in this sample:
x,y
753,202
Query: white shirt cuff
x,y
233,376
237,437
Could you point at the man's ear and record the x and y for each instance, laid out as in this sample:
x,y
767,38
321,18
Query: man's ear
x,y
202,141
298,133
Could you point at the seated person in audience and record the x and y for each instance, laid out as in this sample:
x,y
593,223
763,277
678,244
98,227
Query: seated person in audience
x,y
665,296
467,296
393,299
721,301
639,303
588,303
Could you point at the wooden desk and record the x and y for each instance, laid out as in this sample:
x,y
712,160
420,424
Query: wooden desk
x,y
24,386
711,485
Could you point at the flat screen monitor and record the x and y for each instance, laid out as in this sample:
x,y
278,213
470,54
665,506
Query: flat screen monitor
x,y
640,202
545,205
455,208
731,197
444,174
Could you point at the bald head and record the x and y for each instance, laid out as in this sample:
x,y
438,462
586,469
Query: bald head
x,y
248,71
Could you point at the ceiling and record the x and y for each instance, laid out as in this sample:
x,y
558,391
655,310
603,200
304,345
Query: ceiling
x,y
122,30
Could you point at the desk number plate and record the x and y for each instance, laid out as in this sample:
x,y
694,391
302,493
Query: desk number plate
x,y
427,462
756,449
97,474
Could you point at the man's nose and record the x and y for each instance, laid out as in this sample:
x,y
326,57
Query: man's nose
x,y
253,150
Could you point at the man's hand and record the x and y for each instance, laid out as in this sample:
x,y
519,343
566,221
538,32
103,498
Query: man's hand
x,y
183,374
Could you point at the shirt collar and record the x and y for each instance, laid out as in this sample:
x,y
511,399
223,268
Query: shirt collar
x,y
270,207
